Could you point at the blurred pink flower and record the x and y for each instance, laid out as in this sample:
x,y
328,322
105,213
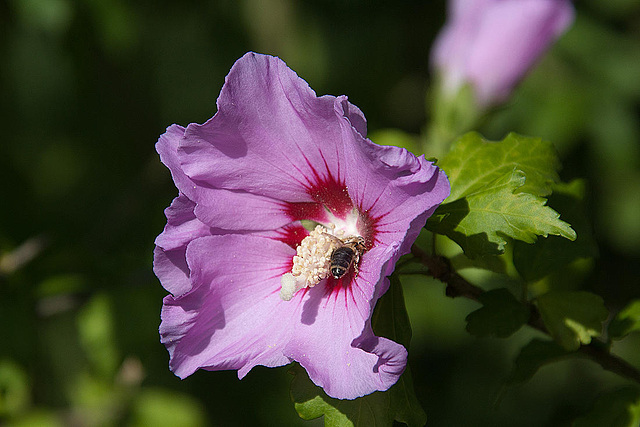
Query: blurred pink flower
x,y
491,44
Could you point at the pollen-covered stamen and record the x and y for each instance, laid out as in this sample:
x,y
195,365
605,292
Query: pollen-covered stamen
x,y
312,263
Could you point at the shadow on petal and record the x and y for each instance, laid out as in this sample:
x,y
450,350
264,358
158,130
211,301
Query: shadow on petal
x,y
311,305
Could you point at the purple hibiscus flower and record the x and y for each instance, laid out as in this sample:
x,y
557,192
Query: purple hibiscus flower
x,y
493,43
250,285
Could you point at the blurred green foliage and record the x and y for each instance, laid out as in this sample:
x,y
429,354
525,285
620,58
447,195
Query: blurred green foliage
x,y
86,88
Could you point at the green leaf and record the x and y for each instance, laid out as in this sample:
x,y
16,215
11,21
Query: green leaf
x,y
626,321
481,220
548,255
377,409
572,318
532,357
501,315
620,408
475,163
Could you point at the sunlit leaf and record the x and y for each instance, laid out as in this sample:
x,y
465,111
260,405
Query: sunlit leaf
x,y
626,321
572,318
501,315
480,220
620,408
475,163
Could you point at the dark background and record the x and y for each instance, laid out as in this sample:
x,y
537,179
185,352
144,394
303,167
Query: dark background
x,y
86,88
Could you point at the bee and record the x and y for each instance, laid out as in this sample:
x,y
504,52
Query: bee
x,y
346,254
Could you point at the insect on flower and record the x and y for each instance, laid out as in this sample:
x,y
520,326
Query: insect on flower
x,y
346,254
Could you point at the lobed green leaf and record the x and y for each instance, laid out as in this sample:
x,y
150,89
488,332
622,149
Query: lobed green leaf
x,y
475,163
572,318
481,221
501,315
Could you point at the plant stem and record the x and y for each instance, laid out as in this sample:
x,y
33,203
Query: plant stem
x,y
457,286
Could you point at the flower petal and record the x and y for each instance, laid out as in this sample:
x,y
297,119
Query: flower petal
x,y
334,341
234,317
236,211
169,259
172,270
182,224
396,190
167,148
271,136
218,208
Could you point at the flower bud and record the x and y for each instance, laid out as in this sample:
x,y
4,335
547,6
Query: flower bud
x,y
491,44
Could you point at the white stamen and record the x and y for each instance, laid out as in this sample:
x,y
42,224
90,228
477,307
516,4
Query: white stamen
x,y
290,285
